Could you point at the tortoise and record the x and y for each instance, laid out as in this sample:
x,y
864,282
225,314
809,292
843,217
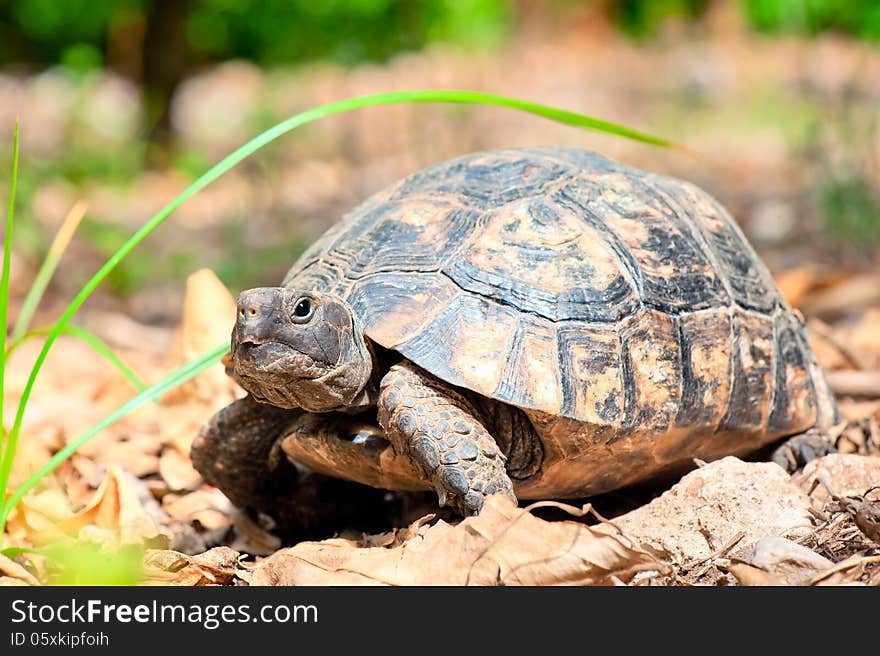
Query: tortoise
x,y
538,323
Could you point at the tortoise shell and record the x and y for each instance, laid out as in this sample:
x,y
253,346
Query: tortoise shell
x,y
623,311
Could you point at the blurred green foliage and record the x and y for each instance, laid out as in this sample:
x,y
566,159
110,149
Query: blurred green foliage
x,y
78,32
85,563
861,18
851,207
643,17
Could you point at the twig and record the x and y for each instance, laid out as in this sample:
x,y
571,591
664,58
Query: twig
x,y
849,563
851,382
718,553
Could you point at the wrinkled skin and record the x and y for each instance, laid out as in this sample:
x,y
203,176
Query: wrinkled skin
x,y
315,360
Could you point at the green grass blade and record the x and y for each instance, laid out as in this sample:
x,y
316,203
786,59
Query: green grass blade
x,y
422,96
566,117
4,290
151,393
50,263
91,340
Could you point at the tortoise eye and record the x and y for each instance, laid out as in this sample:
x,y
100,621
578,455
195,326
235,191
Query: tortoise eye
x,y
303,310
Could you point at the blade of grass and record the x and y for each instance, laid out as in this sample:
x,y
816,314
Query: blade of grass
x,y
175,378
4,289
420,96
90,339
50,263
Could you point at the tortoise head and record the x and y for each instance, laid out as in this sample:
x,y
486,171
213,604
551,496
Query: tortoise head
x,y
301,349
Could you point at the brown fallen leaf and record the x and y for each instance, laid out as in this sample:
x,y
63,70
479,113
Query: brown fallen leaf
x,y
864,384
796,283
251,538
11,573
177,470
115,515
750,575
503,545
864,338
207,505
217,566
840,294
208,316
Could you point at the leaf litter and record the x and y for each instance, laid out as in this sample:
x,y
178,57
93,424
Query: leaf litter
x,y
133,488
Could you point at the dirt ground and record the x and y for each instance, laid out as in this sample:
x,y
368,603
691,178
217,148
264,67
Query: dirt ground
x,y
765,117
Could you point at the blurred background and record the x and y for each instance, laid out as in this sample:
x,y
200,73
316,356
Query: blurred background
x,y
123,103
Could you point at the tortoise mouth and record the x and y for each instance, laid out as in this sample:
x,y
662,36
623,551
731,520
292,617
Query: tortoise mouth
x,y
251,357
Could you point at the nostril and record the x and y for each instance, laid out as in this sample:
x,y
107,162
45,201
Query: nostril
x,y
247,312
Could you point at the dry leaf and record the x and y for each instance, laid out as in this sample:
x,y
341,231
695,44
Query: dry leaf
x,y
864,339
115,515
750,575
504,545
11,573
795,284
177,470
840,296
208,316
251,538
207,505
216,566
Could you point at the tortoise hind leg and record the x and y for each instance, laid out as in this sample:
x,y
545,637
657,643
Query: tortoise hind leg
x,y
234,452
442,432
239,451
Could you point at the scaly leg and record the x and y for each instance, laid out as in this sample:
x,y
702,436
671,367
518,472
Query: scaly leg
x,y
442,432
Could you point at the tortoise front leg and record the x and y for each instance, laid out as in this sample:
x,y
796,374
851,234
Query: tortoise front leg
x,y
442,432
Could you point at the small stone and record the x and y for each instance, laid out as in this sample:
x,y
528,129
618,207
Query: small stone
x,y
715,502
449,458
774,552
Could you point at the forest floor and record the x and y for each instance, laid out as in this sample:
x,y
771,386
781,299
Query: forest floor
x,y
727,522
777,123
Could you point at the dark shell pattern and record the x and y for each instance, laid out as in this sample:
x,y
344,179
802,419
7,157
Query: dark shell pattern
x,y
603,300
